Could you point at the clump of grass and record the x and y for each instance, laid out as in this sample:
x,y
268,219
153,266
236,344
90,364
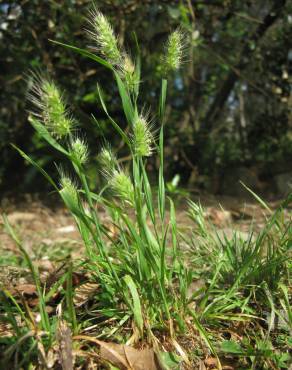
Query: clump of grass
x,y
132,269
144,276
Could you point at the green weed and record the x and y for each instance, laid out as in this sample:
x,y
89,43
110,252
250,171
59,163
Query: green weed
x,y
144,273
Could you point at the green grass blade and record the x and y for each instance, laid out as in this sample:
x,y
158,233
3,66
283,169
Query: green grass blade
x,y
173,229
161,183
264,204
44,133
138,74
163,259
162,100
38,167
126,100
114,124
136,306
148,194
69,300
204,335
42,305
286,304
7,308
84,53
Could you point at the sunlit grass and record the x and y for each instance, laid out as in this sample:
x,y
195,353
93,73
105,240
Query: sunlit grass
x,y
144,273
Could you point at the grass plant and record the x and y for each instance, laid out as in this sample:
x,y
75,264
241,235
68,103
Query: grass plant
x,y
145,271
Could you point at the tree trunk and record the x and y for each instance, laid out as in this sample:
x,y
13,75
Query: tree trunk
x,y
216,107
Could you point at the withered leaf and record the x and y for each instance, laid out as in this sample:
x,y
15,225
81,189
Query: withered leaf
x,y
64,337
84,292
131,358
201,365
26,289
125,357
6,330
211,362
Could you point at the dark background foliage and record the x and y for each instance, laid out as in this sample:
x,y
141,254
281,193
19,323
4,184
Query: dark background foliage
x,y
228,107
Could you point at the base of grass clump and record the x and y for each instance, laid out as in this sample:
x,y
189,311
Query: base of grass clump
x,y
232,319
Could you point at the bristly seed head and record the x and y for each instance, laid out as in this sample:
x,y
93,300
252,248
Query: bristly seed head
x,y
68,190
122,186
129,73
142,137
79,149
51,108
174,51
118,181
128,65
107,160
102,33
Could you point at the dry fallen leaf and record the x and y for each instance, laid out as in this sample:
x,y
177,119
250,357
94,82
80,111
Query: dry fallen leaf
x,y
26,289
218,217
125,357
6,330
131,358
211,362
202,365
84,292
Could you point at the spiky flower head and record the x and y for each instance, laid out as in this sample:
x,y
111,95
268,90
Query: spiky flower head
x,y
129,73
50,106
68,191
79,149
142,137
128,65
103,34
174,51
122,186
118,180
107,160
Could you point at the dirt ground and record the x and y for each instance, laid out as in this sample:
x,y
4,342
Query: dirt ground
x,y
45,226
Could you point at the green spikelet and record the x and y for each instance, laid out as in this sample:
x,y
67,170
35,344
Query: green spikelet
x,y
174,51
142,137
79,149
69,192
107,160
122,186
129,73
102,33
50,107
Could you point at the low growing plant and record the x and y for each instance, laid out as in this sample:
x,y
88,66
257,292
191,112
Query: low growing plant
x,y
139,269
145,279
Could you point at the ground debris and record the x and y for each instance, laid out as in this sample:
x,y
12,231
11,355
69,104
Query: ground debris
x,y
125,357
64,338
17,217
84,293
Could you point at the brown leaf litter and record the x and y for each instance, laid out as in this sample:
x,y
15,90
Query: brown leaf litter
x,y
125,357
